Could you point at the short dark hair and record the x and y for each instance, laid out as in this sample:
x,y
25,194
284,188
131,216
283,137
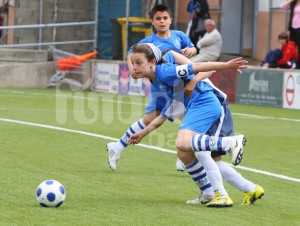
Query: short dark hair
x,y
283,35
160,8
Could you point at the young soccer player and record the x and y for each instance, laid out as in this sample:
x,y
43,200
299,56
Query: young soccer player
x,y
164,39
223,127
203,109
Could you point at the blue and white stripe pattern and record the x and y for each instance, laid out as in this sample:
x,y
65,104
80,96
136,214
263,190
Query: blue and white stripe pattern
x,y
206,143
198,174
135,127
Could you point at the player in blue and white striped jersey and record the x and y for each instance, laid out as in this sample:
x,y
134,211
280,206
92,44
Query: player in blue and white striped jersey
x,y
203,109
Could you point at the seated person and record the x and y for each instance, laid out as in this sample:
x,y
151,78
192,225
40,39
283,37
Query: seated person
x,y
210,44
285,57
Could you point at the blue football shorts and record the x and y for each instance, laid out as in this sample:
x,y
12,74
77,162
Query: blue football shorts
x,y
203,109
222,127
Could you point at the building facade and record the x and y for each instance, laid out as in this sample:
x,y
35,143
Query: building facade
x,y
248,27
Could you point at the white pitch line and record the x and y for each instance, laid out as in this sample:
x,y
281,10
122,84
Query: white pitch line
x,y
269,174
142,145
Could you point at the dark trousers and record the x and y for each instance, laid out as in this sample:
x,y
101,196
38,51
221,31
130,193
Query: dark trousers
x,y
272,57
295,37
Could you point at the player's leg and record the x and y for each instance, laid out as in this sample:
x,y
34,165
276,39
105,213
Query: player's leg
x,y
198,175
221,198
184,141
115,149
203,157
155,104
201,114
224,127
233,145
252,192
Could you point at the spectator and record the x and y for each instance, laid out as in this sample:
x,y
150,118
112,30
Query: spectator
x,y
200,14
284,57
210,44
3,11
294,22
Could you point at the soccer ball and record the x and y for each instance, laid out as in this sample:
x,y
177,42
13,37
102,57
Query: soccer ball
x,y
50,193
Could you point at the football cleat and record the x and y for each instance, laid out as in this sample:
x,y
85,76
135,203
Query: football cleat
x,y
252,196
112,156
202,199
220,201
179,165
236,149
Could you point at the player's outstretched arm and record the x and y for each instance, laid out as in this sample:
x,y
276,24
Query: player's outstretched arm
x,y
234,64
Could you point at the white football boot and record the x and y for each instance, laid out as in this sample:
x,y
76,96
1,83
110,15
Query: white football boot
x,y
236,149
202,199
113,157
179,165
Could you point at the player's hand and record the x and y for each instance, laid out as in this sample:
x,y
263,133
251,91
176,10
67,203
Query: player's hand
x,y
132,73
189,88
135,138
237,64
189,52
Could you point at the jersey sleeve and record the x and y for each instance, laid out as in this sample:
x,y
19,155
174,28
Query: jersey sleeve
x,y
169,57
171,74
185,40
184,70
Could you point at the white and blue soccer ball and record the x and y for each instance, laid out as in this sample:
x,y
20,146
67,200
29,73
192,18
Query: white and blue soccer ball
x,y
50,193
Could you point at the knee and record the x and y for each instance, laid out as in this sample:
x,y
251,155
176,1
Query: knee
x,y
183,143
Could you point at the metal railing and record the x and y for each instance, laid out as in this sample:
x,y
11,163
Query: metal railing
x,y
52,25
44,19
